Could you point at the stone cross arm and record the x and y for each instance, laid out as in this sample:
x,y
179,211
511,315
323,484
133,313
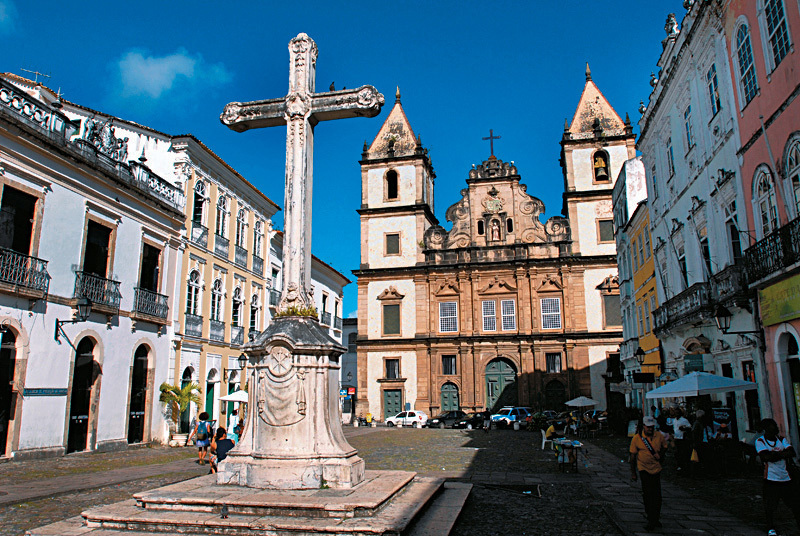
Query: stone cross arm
x,y
364,101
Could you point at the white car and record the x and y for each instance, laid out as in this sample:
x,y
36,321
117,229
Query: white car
x,y
414,418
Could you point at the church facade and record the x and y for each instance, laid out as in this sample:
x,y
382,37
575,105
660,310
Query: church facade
x,y
502,308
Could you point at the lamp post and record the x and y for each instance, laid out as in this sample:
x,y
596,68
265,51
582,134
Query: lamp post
x,y
84,306
722,316
242,360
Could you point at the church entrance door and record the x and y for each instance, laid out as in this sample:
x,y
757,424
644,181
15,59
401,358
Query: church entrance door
x,y
501,384
555,395
392,402
450,397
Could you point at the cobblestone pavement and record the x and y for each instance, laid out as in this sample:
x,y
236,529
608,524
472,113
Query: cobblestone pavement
x,y
518,488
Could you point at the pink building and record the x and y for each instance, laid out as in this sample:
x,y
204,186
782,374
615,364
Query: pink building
x,y
762,40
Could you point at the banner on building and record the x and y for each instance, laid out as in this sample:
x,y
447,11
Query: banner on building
x,y
780,302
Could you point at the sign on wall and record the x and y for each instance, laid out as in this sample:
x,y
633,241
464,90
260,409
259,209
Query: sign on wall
x,y
693,363
44,391
780,302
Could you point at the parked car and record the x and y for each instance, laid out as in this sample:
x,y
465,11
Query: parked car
x,y
415,418
471,421
596,415
445,419
549,413
508,415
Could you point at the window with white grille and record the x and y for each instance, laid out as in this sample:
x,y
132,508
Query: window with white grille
x,y
448,317
509,315
489,316
551,313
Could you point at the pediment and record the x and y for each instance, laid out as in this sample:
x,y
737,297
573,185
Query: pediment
x,y
549,283
447,288
609,284
390,294
497,285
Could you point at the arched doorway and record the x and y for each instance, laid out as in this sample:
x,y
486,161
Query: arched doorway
x,y
8,354
83,378
555,394
450,397
211,381
501,384
136,416
186,379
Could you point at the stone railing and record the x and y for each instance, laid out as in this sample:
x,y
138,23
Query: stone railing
x,y
148,181
101,291
216,330
258,265
199,234
221,245
240,256
730,283
337,323
237,335
150,303
193,325
325,319
692,305
24,271
274,297
775,252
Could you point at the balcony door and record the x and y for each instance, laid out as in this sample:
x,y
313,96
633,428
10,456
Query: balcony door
x,y
148,275
17,212
96,253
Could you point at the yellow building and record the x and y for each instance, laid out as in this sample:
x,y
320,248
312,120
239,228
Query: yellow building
x,y
644,286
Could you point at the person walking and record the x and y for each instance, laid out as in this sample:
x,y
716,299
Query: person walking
x,y
680,427
776,453
647,452
202,431
487,420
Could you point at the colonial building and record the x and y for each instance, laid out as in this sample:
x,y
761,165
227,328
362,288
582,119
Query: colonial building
x,y
81,220
349,371
503,308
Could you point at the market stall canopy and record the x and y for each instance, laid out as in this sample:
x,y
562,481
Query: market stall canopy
x,y
238,396
700,383
582,402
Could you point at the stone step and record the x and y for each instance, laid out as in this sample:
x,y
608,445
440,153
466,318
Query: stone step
x,y
441,514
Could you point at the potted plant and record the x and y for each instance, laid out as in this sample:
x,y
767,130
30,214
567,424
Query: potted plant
x,y
177,399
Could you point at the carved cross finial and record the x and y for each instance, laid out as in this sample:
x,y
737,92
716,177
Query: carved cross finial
x,y
491,139
588,72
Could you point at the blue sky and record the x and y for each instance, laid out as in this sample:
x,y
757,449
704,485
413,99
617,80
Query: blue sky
x,y
463,67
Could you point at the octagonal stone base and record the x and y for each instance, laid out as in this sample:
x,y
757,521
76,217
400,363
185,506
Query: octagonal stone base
x,y
272,473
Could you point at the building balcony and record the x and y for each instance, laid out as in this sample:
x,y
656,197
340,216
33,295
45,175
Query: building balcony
x,y
216,330
274,297
193,325
221,245
337,323
692,306
777,253
22,274
258,265
103,293
325,319
199,234
150,306
240,256
730,285
237,335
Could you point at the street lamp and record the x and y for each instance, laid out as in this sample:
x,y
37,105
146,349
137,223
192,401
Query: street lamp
x,y
84,306
639,354
722,316
242,360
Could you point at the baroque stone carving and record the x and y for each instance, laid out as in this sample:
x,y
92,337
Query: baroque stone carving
x,y
434,237
493,203
281,383
497,285
458,214
103,137
391,294
447,287
558,229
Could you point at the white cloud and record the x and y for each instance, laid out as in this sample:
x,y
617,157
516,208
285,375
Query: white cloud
x,y
353,314
8,15
141,74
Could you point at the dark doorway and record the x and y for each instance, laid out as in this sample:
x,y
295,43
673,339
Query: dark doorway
x,y
80,400
8,353
555,394
186,380
501,384
16,220
136,417
95,257
148,278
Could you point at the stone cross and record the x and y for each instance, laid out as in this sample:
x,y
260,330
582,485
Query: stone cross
x,y
491,139
300,110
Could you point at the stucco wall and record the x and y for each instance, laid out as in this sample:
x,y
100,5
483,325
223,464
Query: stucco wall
x,y
404,225
406,186
375,370
408,325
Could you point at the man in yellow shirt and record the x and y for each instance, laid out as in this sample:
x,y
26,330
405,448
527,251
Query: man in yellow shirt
x,y
647,452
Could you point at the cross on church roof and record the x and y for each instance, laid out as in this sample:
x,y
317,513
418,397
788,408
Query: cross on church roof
x,y
491,139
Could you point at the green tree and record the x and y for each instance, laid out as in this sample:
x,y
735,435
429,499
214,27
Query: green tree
x,y
178,398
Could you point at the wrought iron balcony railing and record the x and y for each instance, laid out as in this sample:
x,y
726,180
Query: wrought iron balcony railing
x,y
775,252
692,305
237,335
337,323
240,256
199,234
730,284
326,319
193,325
258,265
221,245
150,303
216,330
274,297
24,272
101,291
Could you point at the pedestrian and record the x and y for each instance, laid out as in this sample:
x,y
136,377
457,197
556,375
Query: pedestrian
x,y
202,433
233,420
487,420
680,427
701,434
220,447
647,454
777,454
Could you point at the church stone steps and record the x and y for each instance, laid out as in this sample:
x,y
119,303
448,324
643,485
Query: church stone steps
x,y
441,514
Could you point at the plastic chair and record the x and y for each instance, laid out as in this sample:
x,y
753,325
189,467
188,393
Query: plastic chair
x,y
545,441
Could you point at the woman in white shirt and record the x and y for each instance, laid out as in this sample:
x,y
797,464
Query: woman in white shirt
x,y
774,450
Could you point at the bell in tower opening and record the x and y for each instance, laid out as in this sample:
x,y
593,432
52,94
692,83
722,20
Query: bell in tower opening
x,y
601,166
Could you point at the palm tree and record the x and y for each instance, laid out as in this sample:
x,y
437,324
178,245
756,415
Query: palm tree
x,y
178,399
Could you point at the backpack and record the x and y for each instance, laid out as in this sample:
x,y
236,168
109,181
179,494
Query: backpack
x,y
202,431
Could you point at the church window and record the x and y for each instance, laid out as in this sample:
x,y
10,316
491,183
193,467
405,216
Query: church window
x,y
448,365
551,313
793,172
254,313
236,312
646,243
670,158
480,227
748,86
687,124
605,230
393,244
222,216
193,293
391,185
612,313
241,228
509,315
489,316
391,319
392,369
199,200
774,18
216,301
553,362
767,210
600,163
509,225
448,317
713,89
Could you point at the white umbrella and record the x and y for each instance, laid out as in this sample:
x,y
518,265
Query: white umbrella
x,y
581,402
238,396
700,383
